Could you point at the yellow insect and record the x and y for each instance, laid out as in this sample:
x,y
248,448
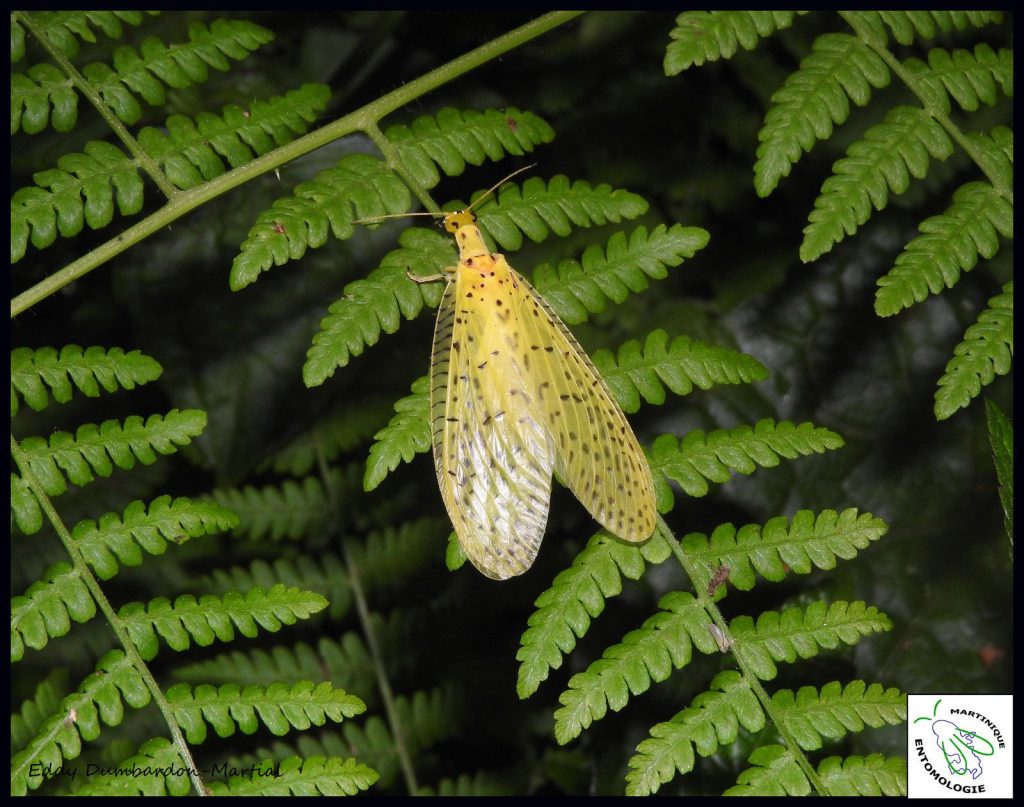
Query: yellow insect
x,y
513,397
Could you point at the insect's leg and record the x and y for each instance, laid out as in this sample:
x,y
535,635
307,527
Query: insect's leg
x,y
430,278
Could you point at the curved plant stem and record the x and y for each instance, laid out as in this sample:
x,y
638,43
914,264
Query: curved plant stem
x,y
360,120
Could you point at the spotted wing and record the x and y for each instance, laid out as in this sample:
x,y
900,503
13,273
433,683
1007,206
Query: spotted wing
x,y
596,452
492,452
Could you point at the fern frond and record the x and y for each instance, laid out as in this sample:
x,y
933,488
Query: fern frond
x,y
538,209
345,428
800,632
453,137
359,186
640,371
346,662
480,784
700,458
279,707
41,96
81,190
44,702
1000,435
101,695
798,545
155,770
292,510
407,435
575,289
704,36
576,595
389,556
120,539
211,618
831,713
882,161
775,772
645,656
985,352
315,776
812,100
32,371
871,775
325,574
969,78
99,448
46,609
949,244
24,506
713,718
905,24
190,151
63,29
378,302
145,72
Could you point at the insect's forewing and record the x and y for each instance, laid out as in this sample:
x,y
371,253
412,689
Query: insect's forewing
x,y
596,452
492,451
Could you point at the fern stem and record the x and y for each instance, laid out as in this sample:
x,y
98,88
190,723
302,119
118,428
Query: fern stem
x,y
352,571
142,159
394,162
750,678
912,83
82,568
360,120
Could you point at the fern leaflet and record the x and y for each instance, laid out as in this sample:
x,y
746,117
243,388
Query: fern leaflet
x,y
949,244
153,771
799,633
407,435
705,36
119,540
46,609
639,372
700,458
883,160
985,352
713,718
279,707
34,711
63,29
99,448
871,775
1000,435
775,772
452,138
814,98
60,737
576,596
645,656
969,78
830,713
926,24
211,618
87,370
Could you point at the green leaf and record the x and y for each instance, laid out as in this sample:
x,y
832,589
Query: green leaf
x,y
871,775
576,596
452,138
314,776
815,97
33,712
214,618
705,36
279,707
775,772
86,370
883,160
155,772
46,609
812,716
985,352
949,244
63,29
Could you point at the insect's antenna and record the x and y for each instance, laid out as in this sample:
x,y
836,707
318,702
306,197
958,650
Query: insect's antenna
x,y
493,188
375,219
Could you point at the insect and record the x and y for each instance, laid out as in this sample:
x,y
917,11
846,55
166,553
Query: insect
x,y
513,398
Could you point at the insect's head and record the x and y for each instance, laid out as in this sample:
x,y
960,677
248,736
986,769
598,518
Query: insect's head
x,y
461,218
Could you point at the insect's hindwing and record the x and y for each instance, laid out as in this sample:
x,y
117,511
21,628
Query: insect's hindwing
x,y
492,451
596,452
